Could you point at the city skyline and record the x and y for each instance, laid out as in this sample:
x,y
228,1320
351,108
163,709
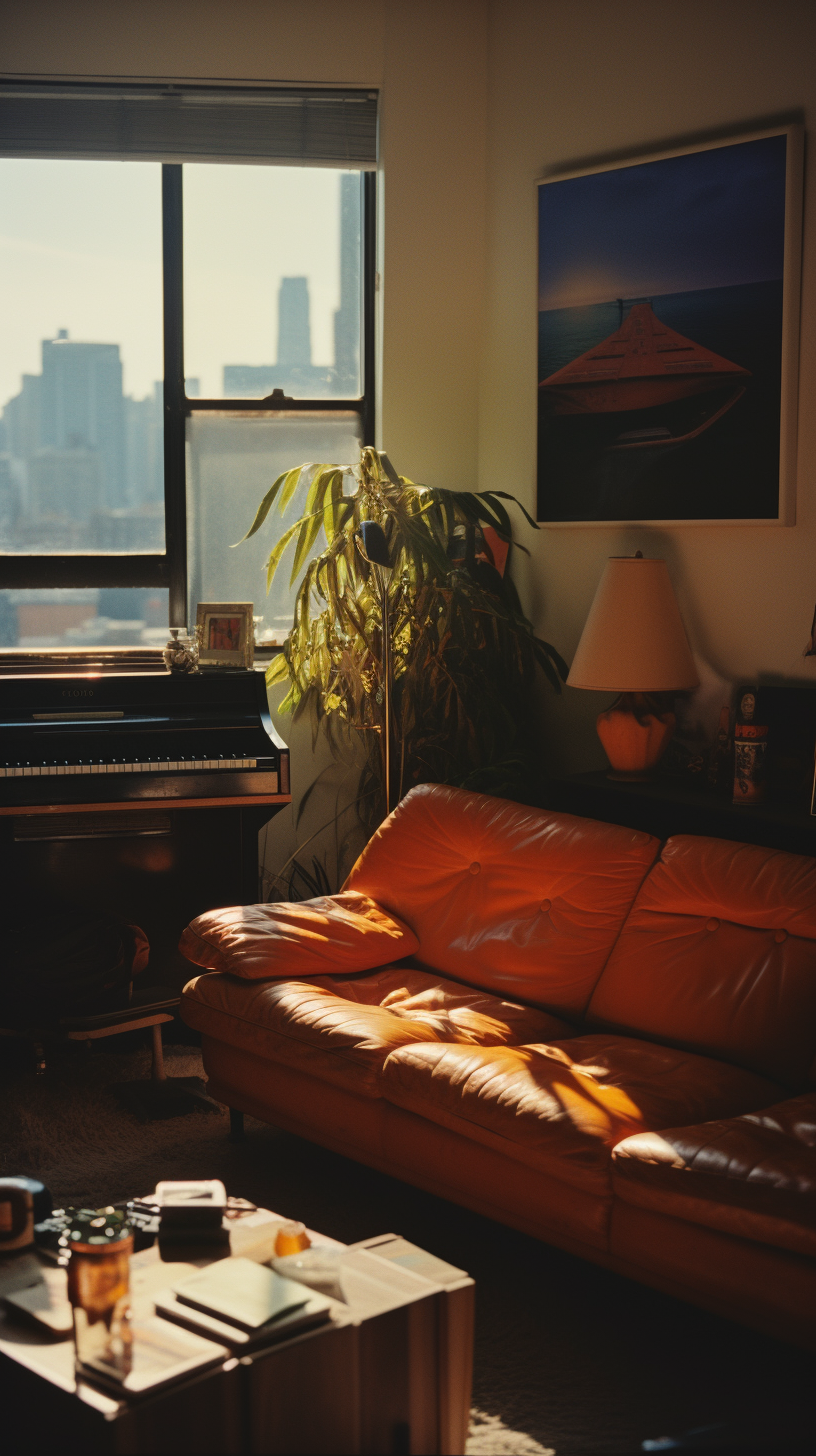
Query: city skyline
x,y
81,459
81,249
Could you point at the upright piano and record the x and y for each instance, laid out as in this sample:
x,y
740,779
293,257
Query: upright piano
x,y
137,736
140,795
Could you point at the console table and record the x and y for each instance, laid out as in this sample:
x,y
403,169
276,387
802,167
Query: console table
x,y
666,806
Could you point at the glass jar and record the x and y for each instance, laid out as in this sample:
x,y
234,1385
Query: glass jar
x,y
101,1243
181,653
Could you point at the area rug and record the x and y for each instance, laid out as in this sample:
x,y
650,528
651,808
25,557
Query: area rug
x,y
570,1359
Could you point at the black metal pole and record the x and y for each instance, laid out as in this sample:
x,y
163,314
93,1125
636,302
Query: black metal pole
x,y
369,304
175,485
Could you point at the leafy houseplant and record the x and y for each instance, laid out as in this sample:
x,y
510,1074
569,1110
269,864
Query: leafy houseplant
x,y
463,654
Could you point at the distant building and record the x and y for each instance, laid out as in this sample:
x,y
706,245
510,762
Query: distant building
x,y
81,407
65,484
129,528
144,448
79,450
294,371
21,418
9,499
294,324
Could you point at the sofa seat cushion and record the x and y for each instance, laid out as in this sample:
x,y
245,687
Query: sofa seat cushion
x,y
522,902
346,932
342,1028
452,1012
563,1106
753,1176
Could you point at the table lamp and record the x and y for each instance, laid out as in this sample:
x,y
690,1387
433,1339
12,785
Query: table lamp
x,y
634,643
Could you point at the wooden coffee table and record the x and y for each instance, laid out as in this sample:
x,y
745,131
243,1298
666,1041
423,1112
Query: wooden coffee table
x,y
390,1370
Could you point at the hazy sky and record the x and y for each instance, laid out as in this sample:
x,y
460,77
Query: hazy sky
x,y
704,220
80,249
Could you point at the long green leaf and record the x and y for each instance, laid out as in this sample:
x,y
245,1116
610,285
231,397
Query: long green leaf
x,y
504,528
277,552
556,656
504,495
313,519
277,670
331,510
264,508
291,484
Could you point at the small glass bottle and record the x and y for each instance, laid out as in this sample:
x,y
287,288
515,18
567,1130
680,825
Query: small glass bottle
x,y
101,1243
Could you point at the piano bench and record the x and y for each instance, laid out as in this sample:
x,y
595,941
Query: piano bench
x,y
159,1096
93,1028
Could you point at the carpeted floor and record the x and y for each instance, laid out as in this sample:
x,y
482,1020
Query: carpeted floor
x,y
569,1358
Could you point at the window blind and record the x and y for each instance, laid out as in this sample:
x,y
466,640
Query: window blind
x,y
169,123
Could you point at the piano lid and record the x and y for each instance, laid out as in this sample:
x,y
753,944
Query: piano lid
x,y
239,695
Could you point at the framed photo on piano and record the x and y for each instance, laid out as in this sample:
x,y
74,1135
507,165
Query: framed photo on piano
x,y
225,634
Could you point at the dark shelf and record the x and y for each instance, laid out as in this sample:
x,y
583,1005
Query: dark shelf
x,y
665,807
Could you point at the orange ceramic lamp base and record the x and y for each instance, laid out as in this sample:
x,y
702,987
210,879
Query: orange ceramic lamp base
x,y
635,735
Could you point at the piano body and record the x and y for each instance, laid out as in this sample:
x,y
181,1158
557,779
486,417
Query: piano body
x,y
136,794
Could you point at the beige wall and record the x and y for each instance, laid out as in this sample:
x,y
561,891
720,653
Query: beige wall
x,y
578,80
479,97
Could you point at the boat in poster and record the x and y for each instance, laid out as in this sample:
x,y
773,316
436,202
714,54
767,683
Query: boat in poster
x,y
644,365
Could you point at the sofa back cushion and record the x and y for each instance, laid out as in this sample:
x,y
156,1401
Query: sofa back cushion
x,y
515,900
719,954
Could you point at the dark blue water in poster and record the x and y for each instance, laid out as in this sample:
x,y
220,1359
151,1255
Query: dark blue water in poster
x,y
729,470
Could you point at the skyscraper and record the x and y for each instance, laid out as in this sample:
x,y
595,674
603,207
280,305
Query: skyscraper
x,y
294,371
81,406
294,327
86,462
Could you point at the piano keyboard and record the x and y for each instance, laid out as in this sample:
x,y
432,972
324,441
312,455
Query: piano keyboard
x,y
148,765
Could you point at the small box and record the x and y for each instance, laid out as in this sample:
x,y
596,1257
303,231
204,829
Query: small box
x,y
193,1207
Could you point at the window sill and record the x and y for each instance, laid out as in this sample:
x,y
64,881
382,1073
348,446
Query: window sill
x,y
77,660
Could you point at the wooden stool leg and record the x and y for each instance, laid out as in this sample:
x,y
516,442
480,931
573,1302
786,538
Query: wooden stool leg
x,y
157,1071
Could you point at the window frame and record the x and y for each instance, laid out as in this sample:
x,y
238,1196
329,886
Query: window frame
x,y
168,569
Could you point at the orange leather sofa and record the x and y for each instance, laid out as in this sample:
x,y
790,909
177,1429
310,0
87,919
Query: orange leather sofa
x,y
606,1043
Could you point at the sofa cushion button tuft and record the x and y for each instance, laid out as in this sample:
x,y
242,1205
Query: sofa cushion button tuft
x,y
545,905
475,867
712,924
780,935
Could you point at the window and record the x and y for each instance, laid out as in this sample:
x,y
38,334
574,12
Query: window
x,y
188,280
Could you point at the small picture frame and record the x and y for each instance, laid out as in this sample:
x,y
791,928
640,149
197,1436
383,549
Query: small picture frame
x,y
225,634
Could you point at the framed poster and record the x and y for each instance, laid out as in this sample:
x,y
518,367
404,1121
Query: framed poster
x,y
668,335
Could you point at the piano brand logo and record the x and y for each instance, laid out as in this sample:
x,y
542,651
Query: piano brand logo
x,y
77,692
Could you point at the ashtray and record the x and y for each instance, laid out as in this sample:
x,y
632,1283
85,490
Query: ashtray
x,y
317,1268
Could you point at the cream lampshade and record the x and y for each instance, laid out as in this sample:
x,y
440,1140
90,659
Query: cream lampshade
x,y
634,643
